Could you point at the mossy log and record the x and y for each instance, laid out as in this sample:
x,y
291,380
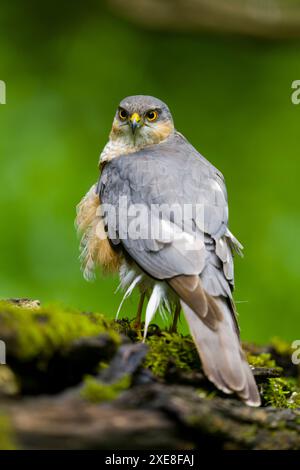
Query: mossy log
x,y
78,381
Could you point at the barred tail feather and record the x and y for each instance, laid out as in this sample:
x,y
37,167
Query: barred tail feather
x,y
221,355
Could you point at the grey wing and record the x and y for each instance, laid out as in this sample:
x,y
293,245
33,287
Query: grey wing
x,y
172,174
140,193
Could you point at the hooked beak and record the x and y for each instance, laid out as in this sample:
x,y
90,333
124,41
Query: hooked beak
x,y
135,122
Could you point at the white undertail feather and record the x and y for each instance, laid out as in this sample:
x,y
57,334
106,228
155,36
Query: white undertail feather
x,y
153,304
126,278
165,308
129,291
131,277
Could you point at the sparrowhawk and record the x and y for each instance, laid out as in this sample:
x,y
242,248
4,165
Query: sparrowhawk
x,y
159,216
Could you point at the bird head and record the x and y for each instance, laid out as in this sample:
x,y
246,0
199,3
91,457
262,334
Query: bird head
x,y
141,121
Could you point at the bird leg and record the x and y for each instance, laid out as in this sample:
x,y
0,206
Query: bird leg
x,y
138,318
173,328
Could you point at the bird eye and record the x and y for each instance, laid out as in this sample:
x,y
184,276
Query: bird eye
x,y
123,114
152,116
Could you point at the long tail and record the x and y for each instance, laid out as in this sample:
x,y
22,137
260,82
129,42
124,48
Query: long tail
x,y
214,331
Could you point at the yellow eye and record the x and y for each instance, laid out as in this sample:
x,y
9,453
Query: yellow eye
x,y
123,114
152,116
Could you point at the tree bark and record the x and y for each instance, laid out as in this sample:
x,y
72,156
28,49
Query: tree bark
x,y
133,402
152,416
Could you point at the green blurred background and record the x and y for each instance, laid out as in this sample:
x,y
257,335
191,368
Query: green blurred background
x,y
66,67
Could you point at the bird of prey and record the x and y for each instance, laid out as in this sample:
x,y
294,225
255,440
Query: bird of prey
x,y
180,258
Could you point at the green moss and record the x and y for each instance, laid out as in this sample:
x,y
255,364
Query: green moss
x,y
96,391
281,393
171,348
7,441
202,393
261,360
126,327
9,384
38,332
283,348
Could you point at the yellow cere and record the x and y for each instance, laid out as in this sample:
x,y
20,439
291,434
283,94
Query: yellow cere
x,y
135,117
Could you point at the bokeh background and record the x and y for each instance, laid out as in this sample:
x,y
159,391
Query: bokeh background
x,y
67,65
